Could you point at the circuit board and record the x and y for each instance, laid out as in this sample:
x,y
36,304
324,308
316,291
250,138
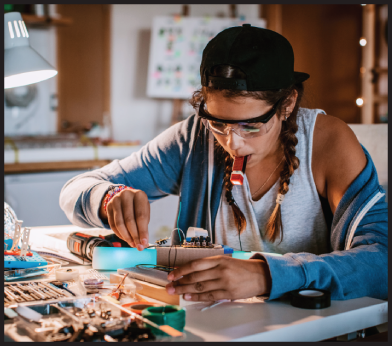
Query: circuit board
x,y
21,262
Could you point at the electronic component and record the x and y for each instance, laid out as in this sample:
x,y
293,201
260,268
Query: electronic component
x,y
238,171
15,274
199,242
32,291
80,319
195,232
162,241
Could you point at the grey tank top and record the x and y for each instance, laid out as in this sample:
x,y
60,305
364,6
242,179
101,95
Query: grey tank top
x,y
304,226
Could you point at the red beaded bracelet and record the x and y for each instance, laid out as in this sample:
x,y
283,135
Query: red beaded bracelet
x,y
112,192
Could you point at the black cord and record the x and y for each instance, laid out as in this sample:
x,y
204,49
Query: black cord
x,y
239,237
175,257
169,255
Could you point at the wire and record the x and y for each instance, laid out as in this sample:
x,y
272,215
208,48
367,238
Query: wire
x,y
178,229
178,219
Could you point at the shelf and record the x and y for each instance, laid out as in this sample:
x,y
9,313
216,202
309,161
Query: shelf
x,y
35,167
33,20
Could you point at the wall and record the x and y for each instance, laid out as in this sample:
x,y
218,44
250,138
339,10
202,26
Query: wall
x,y
38,117
325,40
134,116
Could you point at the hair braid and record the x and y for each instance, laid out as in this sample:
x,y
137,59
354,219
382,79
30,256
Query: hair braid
x,y
239,217
288,140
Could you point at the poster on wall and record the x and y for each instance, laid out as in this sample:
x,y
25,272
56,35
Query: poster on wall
x,y
176,49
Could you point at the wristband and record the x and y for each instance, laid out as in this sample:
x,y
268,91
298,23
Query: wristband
x,y
112,192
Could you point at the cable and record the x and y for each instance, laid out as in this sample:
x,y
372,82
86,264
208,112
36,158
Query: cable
x,y
178,229
178,219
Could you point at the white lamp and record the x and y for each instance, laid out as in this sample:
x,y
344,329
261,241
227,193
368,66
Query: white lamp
x,y
22,64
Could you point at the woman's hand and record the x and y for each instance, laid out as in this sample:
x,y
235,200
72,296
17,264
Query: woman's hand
x,y
128,215
220,277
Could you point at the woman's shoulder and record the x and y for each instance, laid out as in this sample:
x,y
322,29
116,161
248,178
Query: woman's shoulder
x,y
332,134
338,157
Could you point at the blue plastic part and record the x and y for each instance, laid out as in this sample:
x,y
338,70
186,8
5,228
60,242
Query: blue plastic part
x,y
9,243
227,249
113,258
19,262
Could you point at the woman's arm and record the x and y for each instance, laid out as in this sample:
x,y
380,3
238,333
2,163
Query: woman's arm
x,y
348,179
155,169
337,158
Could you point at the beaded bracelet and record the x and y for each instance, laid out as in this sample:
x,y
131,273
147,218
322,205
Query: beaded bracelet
x,y
112,192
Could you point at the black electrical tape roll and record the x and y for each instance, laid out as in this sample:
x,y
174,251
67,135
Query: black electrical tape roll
x,y
310,298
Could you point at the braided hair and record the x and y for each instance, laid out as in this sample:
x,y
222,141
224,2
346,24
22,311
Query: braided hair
x,y
287,137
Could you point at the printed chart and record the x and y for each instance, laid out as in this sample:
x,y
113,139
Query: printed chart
x,y
176,50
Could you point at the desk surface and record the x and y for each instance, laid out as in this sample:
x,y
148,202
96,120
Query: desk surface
x,y
255,320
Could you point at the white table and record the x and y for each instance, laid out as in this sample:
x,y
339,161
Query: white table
x,y
256,320
276,320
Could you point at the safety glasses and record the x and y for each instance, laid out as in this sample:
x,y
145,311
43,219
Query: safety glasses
x,y
254,127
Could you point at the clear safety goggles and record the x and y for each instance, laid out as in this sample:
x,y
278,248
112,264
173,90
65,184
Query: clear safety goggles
x,y
254,127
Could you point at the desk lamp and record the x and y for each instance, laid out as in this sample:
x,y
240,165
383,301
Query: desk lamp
x,y
22,64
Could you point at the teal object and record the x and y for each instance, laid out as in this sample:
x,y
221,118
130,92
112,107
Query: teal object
x,y
113,258
242,254
249,254
171,315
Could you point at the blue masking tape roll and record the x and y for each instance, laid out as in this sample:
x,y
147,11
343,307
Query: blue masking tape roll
x,y
113,258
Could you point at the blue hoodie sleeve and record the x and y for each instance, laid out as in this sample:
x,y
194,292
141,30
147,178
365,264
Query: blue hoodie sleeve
x,y
351,270
360,271
156,169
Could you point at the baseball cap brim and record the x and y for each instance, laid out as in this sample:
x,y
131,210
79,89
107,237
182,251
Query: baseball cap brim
x,y
300,77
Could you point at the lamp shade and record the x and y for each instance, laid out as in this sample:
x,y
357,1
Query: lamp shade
x,y
22,64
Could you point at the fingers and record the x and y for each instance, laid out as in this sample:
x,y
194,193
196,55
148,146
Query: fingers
x,y
142,216
197,287
208,296
205,275
128,216
112,224
193,266
120,223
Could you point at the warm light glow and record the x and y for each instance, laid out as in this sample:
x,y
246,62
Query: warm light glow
x,y
16,28
362,42
362,69
11,31
359,102
25,29
21,28
27,78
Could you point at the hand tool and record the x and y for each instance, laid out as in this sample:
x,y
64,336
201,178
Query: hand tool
x,y
50,292
12,296
36,292
38,289
23,295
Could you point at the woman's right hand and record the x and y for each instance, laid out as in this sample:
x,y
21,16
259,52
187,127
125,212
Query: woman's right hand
x,y
128,215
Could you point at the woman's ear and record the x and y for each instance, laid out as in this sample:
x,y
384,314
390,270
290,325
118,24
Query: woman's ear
x,y
292,99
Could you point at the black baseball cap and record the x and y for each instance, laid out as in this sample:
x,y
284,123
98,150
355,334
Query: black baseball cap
x,y
265,56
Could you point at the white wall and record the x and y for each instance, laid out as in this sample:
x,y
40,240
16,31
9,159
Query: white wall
x,y
38,117
134,116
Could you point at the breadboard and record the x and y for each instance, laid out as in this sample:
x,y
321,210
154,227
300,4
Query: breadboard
x,y
178,256
21,262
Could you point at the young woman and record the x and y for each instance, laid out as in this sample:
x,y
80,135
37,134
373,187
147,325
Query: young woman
x,y
310,191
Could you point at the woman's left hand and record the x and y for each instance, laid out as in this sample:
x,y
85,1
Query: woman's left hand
x,y
220,277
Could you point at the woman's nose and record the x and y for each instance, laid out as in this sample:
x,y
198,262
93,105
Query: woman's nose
x,y
234,142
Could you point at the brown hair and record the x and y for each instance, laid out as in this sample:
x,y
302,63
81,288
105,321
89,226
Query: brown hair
x,y
287,138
